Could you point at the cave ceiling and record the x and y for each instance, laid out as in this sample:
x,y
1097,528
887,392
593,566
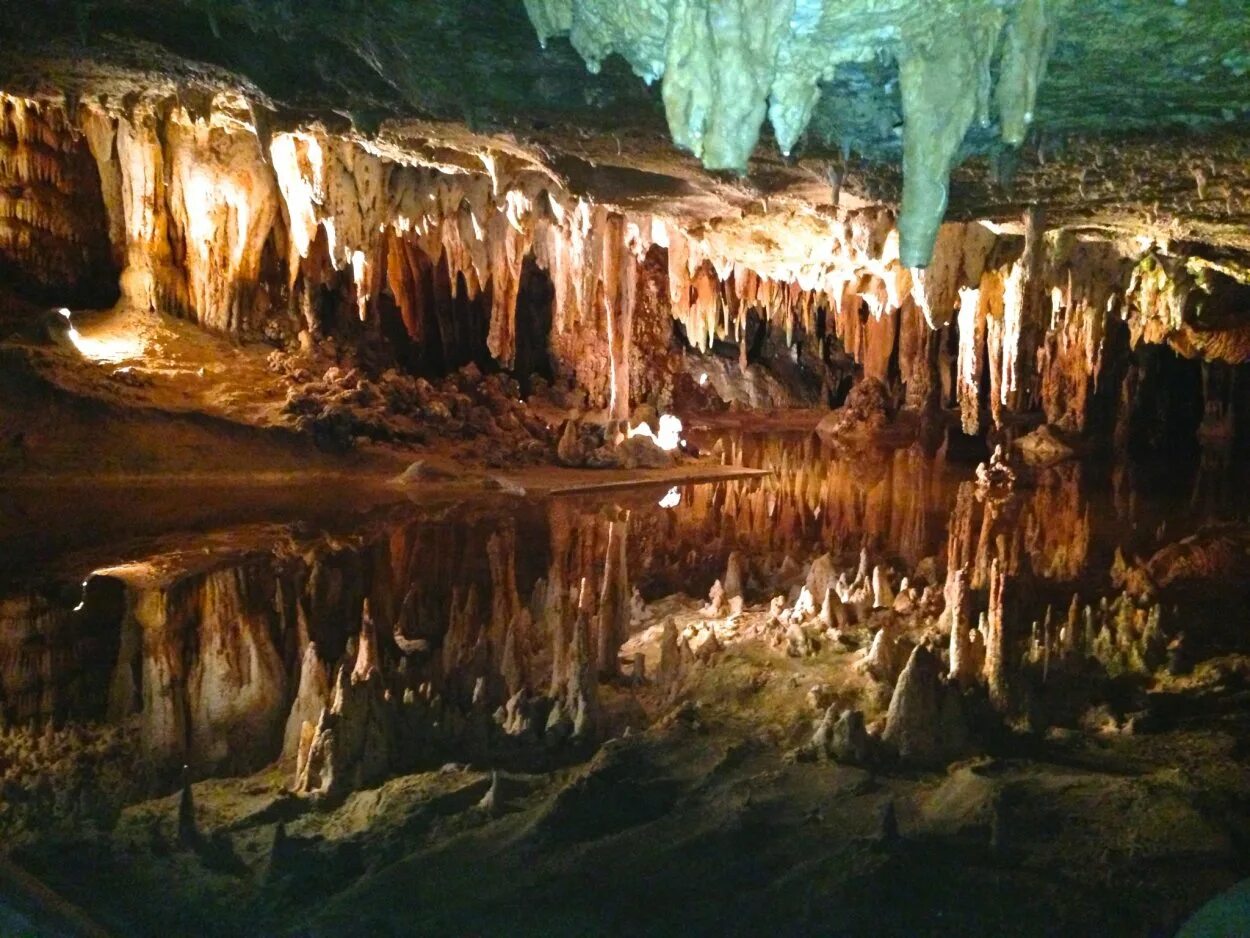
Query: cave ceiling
x,y
1138,128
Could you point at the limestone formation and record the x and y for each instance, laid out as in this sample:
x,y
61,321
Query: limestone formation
x,y
733,582
312,696
887,654
821,576
722,75
833,614
842,737
996,639
882,592
866,412
670,656
1042,447
613,619
955,617
925,722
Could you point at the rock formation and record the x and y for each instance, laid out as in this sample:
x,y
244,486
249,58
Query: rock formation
x,y
721,76
925,722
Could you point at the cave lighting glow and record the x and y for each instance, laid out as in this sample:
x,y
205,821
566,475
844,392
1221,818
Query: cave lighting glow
x,y
104,346
671,499
669,436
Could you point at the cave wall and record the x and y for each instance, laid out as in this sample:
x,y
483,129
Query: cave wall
x,y
54,233
197,207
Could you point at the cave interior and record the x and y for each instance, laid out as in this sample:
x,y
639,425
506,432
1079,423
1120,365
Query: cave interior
x,y
642,467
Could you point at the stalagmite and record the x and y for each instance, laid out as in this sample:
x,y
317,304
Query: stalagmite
x,y
955,616
581,696
832,612
884,658
1069,635
367,662
670,656
820,575
925,723
995,638
310,699
188,829
355,742
733,576
511,665
882,593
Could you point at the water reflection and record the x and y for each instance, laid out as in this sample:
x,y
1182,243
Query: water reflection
x,y
205,646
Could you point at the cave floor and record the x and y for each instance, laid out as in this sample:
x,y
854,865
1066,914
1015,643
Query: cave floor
x,y
148,401
698,826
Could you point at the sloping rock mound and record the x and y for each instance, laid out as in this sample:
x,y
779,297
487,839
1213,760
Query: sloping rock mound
x,y
1216,553
1043,448
925,723
619,788
866,412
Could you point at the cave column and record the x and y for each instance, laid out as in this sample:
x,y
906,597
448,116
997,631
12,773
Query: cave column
x,y
620,281
995,637
614,598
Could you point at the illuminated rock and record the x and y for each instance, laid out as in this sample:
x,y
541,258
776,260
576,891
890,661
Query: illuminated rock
x,y
867,411
724,70
311,698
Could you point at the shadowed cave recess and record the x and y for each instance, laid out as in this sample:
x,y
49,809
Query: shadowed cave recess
x,y
641,467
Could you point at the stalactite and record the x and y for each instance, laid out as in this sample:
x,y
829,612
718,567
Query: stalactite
x,y
959,256
613,622
939,92
620,279
995,637
719,68
54,228
190,200
917,362
968,370
702,317
507,253
222,204
1070,359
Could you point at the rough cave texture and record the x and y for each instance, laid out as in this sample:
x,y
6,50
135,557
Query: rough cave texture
x,y
372,198
1117,141
724,68
752,451
54,239
262,234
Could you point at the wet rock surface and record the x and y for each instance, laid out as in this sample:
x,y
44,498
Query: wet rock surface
x,y
568,676
920,672
866,412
